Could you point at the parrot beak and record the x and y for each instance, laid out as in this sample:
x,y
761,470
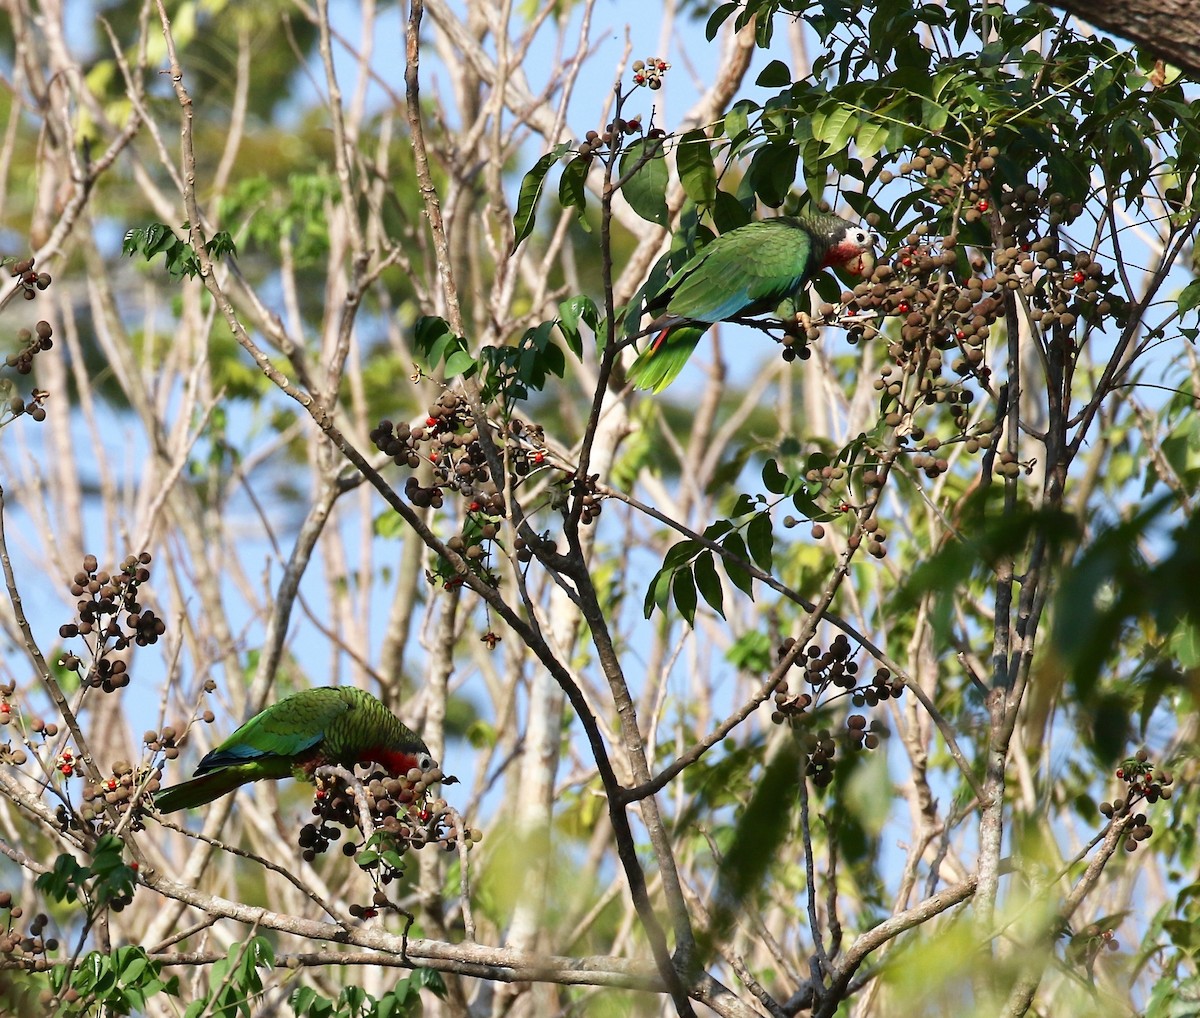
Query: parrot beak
x,y
863,265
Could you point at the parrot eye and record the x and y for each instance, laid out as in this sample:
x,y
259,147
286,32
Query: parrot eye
x,y
863,238
425,762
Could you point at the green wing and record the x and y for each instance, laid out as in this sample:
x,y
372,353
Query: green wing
x,y
746,271
292,726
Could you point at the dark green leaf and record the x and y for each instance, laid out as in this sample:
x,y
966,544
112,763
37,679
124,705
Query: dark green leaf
x,y
646,189
694,160
571,190
531,190
773,171
717,19
761,537
775,75
757,841
656,593
1189,297
728,213
709,583
683,589
736,572
573,311
776,480
680,553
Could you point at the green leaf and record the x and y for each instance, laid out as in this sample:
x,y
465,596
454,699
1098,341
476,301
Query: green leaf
x,y
835,128
683,589
737,122
709,583
531,189
738,574
646,189
757,842
1189,297
573,311
680,553
775,480
459,363
776,74
773,171
728,213
761,537
696,171
656,593
870,138
572,192
717,19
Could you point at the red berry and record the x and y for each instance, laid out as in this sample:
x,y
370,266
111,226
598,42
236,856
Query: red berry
x,y
983,205
431,421
1079,277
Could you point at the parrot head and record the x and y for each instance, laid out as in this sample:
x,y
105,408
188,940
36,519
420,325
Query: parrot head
x,y
849,247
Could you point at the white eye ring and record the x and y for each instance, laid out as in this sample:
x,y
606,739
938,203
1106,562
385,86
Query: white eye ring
x,y
425,762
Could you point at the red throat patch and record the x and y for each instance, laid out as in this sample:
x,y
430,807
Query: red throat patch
x,y
845,253
393,761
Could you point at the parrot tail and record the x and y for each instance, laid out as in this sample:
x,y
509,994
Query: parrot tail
x,y
659,364
204,789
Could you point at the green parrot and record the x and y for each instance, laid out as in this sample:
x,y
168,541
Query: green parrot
x,y
292,738
748,271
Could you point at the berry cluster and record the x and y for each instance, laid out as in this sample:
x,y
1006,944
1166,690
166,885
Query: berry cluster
x,y
596,142
32,344
403,817
104,596
833,669
13,943
448,441
943,324
946,179
649,72
29,279
1145,783
1060,285
169,738
122,790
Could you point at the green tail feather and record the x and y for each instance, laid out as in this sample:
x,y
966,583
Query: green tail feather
x,y
207,787
659,364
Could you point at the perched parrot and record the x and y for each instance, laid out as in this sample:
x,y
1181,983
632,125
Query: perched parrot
x,y
292,738
748,271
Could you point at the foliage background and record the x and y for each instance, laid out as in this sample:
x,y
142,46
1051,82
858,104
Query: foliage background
x,y
319,244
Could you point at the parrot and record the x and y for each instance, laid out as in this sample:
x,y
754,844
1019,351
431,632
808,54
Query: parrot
x,y
292,738
751,270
